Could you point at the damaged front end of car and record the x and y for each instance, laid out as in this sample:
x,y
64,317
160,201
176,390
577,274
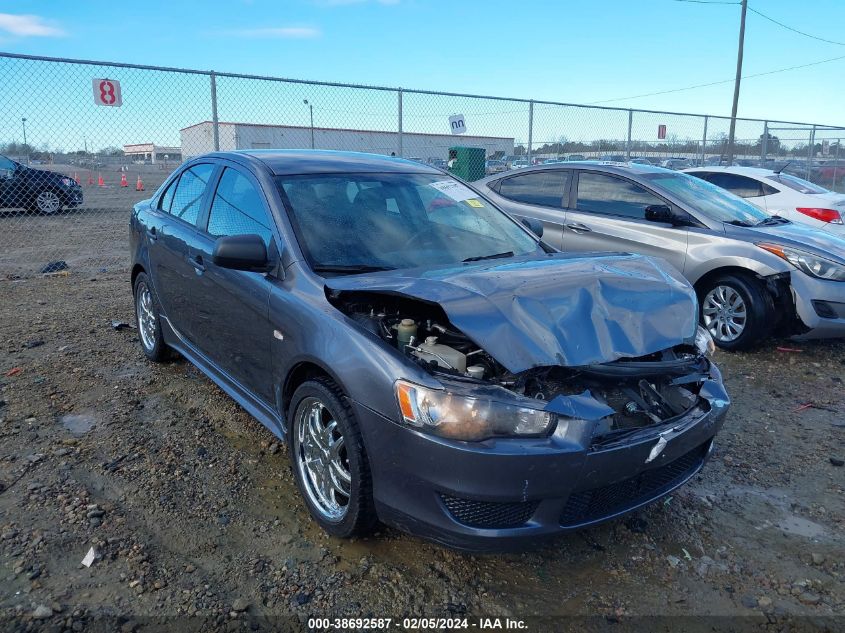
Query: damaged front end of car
x,y
615,402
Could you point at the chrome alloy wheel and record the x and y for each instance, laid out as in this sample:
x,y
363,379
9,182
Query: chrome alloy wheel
x,y
725,313
320,452
146,317
48,202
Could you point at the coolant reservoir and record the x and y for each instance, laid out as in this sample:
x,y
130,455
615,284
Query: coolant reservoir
x,y
442,355
405,331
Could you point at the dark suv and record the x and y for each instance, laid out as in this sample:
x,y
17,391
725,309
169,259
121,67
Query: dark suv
x,y
430,361
47,192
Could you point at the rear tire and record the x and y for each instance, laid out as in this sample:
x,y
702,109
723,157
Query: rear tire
x,y
329,460
737,310
147,318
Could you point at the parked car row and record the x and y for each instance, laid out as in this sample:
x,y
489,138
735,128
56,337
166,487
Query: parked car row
x,y
754,273
432,362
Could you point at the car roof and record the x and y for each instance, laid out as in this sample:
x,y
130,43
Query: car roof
x,y
283,162
621,169
759,172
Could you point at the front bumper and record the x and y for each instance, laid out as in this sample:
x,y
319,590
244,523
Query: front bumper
x,y
499,494
73,197
820,305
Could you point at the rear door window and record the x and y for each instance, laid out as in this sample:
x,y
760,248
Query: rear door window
x,y
189,192
166,200
609,195
741,186
545,188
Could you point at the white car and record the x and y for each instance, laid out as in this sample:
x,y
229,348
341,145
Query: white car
x,y
781,194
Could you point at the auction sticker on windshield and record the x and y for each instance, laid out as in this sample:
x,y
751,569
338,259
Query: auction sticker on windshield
x,y
454,190
475,202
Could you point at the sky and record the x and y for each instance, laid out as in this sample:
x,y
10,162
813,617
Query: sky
x,y
575,51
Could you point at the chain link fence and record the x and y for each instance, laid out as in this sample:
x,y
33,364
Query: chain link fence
x,y
83,141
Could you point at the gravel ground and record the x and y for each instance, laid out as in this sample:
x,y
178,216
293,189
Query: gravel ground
x,y
191,509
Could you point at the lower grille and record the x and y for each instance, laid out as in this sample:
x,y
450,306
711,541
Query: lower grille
x,y
596,504
489,514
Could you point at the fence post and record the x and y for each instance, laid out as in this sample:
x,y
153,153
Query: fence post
x,y
835,164
214,122
704,140
764,144
810,151
628,143
530,128
401,155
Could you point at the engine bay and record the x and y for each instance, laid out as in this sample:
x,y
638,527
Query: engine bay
x,y
642,392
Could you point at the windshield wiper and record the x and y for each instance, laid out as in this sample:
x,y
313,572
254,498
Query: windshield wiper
x,y
772,221
349,269
478,258
738,223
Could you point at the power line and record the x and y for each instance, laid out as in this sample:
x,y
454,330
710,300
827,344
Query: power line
x,y
724,81
789,28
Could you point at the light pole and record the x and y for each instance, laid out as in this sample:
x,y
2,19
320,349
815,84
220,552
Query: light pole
x,y
23,124
311,112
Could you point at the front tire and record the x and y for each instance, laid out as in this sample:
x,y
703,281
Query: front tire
x,y
737,310
147,318
329,460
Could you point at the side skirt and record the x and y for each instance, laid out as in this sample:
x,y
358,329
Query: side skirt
x,y
254,405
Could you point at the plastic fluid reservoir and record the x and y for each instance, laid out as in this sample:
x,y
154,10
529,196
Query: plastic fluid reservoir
x,y
475,371
405,331
443,355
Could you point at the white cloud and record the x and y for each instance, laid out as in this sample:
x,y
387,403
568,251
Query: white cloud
x,y
282,32
28,26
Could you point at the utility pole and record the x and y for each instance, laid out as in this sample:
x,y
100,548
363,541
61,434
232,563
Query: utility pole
x,y
737,81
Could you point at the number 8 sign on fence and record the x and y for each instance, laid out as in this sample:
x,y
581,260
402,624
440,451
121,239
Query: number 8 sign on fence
x,y
107,92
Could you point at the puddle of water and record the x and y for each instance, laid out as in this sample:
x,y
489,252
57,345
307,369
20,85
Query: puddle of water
x,y
78,424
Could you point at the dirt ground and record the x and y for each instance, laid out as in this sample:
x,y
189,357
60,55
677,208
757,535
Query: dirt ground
x,y
191,508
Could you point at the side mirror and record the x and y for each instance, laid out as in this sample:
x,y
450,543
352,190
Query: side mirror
x,y
660,213
532,225
241,252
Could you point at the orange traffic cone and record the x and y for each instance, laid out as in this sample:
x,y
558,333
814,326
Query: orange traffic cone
x,y
139,186
90,178
123,182
100,181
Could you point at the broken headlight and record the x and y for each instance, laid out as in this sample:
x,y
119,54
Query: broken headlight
x,y
813,265
463,417
704,341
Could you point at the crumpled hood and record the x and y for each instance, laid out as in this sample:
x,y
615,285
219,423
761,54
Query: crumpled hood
x,y
560,309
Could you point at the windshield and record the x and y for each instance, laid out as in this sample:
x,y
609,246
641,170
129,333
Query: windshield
x,y
359,222
708,199
798,184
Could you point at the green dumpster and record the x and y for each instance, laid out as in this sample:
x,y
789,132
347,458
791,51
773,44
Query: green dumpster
x,y
467,162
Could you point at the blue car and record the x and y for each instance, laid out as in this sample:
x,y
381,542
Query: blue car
x,y
432,364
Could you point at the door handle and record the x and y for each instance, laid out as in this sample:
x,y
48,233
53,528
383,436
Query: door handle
x,y
197,263
151,234
577,227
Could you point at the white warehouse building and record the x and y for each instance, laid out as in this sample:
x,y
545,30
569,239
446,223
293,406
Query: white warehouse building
x,y
199,139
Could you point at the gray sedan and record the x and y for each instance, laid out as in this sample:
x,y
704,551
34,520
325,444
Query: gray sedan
x,y
755,274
